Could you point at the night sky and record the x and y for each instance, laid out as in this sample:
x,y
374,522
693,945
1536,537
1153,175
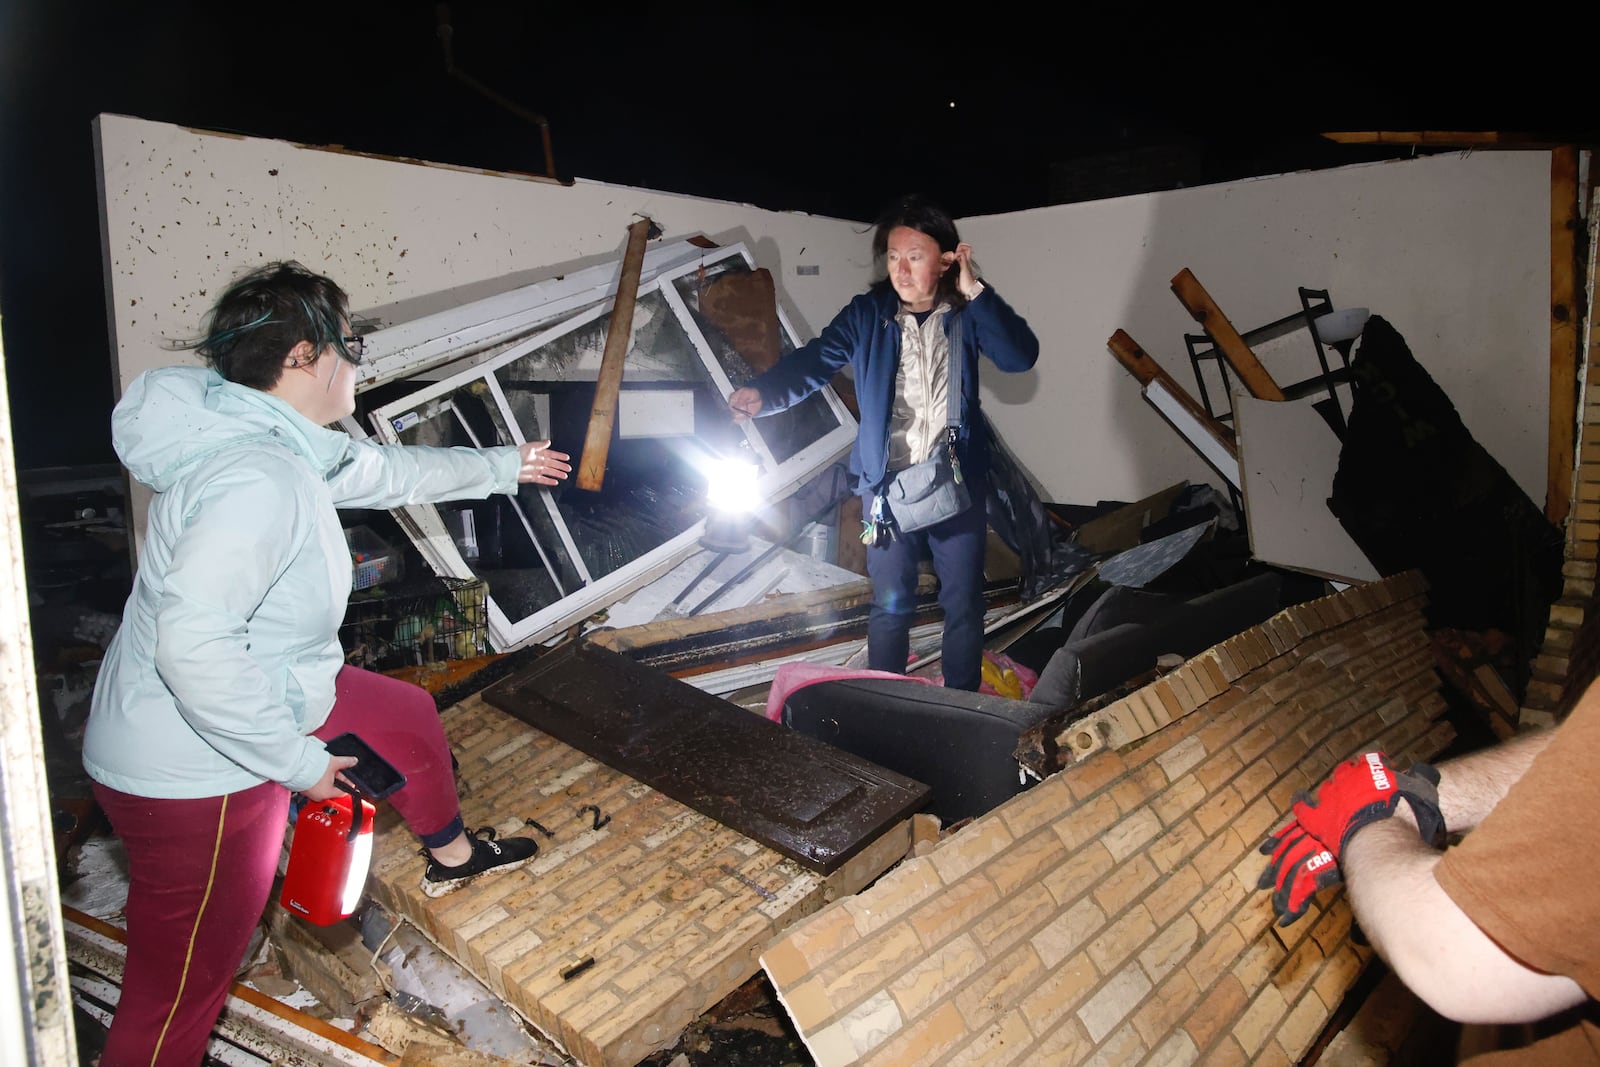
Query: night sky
x,y
793,111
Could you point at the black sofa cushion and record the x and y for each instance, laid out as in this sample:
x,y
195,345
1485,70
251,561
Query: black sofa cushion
x,y
1088,666
960,744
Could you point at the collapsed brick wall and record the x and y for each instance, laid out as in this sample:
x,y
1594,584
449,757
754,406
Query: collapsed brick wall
x,y
1110,912
638,914
1569,658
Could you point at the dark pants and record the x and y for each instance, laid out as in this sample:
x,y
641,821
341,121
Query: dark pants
x,y
200,871
956,546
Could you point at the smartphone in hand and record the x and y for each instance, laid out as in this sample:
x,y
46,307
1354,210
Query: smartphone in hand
x,y
373,775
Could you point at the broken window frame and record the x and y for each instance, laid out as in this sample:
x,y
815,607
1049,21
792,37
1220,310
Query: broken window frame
x,y
488,351
420,345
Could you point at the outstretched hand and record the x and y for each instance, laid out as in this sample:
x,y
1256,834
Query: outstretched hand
x,y
744,403
543,465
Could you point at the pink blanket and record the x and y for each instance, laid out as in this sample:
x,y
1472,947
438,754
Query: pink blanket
x,y
793,676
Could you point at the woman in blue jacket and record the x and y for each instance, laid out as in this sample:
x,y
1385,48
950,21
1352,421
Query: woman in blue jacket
x,y
226,675
896,337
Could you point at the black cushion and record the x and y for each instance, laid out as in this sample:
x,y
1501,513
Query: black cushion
x,y
1106,657
960,744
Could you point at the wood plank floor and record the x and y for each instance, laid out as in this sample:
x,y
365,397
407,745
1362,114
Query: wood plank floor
x,y
672,908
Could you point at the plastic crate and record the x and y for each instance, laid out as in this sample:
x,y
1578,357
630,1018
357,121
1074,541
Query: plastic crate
x,y
374,560
426,621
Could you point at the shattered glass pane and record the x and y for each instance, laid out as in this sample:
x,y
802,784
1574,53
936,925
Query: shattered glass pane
x,y
787,432
653,487
515,545
551,555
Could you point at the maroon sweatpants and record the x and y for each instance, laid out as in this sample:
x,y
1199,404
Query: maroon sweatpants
x,y
200,871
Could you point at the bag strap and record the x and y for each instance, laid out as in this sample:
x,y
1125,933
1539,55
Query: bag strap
x,y
953,378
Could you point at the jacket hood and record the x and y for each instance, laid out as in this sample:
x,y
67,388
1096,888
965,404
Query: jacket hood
x,y
173,418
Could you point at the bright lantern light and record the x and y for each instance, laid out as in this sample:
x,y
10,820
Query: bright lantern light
x,y
732,486
356,878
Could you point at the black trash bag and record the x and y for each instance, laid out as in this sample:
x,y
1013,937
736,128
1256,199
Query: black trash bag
x,y
818,500
1414,490
1018,516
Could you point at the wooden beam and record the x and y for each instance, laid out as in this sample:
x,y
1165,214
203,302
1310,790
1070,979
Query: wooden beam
x,y
292,1017
603,416
1193,296
1564,316
1431,138
658,631
1143,367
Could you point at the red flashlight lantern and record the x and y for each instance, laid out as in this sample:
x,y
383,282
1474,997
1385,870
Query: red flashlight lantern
x,y
329,858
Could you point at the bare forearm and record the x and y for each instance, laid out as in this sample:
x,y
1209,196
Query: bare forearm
x,y
1470,786
1438,952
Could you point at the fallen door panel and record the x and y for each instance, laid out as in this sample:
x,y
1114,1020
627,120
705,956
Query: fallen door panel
x,y
804,799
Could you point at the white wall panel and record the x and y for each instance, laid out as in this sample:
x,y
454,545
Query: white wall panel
x,y
183,210
1453,250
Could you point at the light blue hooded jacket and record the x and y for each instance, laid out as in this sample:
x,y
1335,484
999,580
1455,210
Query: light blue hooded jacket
x,y
226,656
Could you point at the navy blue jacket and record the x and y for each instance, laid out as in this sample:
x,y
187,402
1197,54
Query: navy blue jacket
x,y
866,336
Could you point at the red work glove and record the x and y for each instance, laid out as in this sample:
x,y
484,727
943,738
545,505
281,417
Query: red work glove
x,y
1305,853
1300,867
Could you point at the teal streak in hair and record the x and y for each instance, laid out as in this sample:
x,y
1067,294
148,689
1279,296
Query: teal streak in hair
x,y
217,340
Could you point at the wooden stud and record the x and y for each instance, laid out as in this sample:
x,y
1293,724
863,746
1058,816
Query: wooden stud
x,y
1193,296
1564,313
1139,363
603,416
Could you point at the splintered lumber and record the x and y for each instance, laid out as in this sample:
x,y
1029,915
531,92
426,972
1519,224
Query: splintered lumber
x,y
799,606
1193,296
1564,318
1205,434
250,1019
603,417
1437,138
1146,370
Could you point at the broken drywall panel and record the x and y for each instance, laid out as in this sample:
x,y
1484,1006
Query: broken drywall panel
x,y
1454,246
1287,457
35,973
1202,438
552,556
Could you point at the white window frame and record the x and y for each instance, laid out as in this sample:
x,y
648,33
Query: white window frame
x,y
427,529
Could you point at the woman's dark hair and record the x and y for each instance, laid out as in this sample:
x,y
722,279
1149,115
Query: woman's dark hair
x,y
262,315
921,214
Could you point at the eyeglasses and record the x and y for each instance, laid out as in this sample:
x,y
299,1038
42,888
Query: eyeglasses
x,y
355,349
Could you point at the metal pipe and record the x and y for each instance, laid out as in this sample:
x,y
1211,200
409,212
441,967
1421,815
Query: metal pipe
x,y
446,32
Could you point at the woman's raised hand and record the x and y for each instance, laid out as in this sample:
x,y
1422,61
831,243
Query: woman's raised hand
x,y
967,282
542,464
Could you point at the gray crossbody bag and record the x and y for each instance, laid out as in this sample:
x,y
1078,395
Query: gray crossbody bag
x,y
932,491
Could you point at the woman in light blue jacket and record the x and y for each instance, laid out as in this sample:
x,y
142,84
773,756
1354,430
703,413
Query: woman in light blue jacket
x,y
226,675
